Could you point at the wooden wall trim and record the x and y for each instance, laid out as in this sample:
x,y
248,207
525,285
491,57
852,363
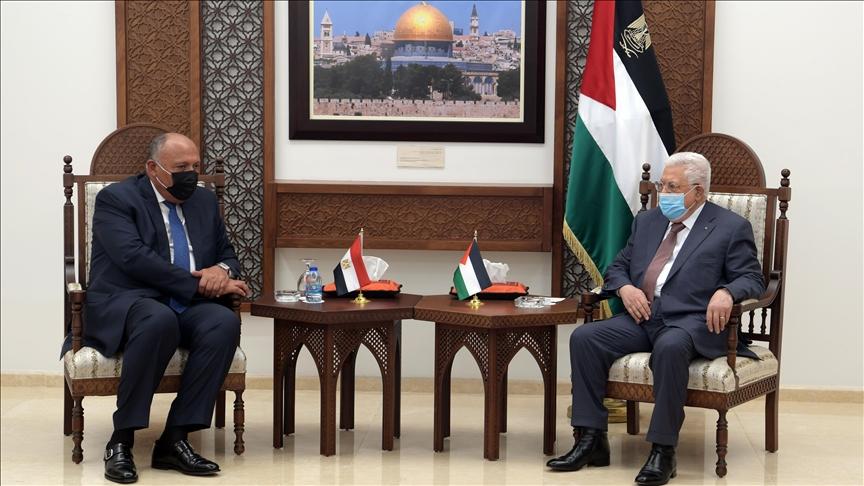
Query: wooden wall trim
x,y
120,52
412,217
196,115
558,164
269,230
158,55
708,69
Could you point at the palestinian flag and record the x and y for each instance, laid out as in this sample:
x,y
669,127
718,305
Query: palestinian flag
x,y
470,277
350,274
624,121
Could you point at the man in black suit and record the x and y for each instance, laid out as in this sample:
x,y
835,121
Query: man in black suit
x,y
161,259
684,265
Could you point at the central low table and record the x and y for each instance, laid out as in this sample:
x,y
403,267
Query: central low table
x,y
493,333
333,332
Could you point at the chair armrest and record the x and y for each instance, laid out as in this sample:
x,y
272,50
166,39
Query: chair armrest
x,y
590,301
748,305
76,296
766,299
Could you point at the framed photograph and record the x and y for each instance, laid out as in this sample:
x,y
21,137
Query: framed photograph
x,y
448,71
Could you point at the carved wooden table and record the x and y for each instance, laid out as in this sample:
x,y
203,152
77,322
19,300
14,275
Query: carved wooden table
x,y
493,333
333,332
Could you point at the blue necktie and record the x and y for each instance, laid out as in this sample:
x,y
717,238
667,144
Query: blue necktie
x,y
181,248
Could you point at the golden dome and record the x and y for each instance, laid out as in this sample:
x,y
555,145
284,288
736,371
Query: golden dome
x,y
423,23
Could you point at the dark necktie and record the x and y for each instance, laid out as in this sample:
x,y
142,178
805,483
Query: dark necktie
x,y
181,248
664,253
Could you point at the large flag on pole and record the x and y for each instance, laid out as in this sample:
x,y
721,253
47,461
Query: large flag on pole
x,y
350,274
470,276
624,120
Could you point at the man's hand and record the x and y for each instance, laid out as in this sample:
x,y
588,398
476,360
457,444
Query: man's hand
x,y
635,302
237,287
719,310
213,281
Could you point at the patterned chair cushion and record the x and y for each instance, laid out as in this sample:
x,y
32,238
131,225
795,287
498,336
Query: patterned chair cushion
x,y
751,207
709,375
89,363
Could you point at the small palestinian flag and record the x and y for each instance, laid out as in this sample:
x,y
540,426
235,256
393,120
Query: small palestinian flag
x,y
350,274
470,277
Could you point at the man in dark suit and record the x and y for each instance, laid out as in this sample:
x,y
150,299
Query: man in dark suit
x,y
161,259
684,265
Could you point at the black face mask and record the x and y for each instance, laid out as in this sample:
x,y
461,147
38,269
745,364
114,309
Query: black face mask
x,y
183,184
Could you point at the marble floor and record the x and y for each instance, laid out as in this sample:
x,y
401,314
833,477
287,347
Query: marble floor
x,y
820,443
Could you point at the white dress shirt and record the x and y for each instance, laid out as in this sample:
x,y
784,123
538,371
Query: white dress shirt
x,y
164,209
679,242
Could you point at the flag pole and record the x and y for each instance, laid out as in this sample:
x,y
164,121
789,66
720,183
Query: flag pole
x,y
475,301
361,299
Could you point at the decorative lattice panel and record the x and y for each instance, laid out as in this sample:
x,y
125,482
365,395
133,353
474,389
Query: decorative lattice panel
x,y
232,42
575,280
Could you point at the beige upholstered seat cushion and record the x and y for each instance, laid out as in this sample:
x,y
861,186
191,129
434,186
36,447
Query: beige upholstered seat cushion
x,y
89,363
710,375
751,207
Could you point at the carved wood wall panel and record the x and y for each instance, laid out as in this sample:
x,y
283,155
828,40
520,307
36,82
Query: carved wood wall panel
x,y
157,65
682,34
413,217
232,42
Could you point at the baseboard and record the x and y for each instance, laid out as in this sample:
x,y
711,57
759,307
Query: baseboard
x,y
458,385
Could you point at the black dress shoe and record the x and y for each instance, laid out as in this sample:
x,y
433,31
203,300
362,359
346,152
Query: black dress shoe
x,y
659,468
181,457
119,466
592,449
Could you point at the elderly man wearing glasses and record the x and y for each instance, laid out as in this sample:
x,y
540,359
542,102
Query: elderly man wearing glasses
x,y
684,265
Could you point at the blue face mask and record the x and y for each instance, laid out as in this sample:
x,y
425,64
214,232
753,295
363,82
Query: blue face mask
x,y
672,204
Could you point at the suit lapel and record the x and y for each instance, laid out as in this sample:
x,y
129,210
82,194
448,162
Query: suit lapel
x,y
152,206
703,227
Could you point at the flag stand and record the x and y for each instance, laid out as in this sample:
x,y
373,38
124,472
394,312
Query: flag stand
x,y
475,302
361,299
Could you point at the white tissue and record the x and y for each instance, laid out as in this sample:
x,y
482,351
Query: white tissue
x,y
497,271
375,267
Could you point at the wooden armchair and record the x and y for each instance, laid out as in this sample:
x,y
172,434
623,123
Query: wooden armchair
x,y
738,184
86,371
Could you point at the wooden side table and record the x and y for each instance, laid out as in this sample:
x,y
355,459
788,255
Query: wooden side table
x,y
493,333
333,332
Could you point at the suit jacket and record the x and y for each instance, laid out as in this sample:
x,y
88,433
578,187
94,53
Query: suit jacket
x,y
718,253
130,256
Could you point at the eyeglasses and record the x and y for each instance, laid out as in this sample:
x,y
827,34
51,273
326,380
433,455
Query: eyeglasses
x,y
668,187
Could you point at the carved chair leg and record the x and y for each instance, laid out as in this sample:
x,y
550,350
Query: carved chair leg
x,y
722,442
77,429
67,410
772,440
239,423
220,410
632,417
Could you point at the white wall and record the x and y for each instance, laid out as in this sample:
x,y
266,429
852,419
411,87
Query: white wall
x,y
58,97
788,80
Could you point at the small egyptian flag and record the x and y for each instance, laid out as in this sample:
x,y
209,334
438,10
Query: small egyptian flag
x,y
350,274
470,277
